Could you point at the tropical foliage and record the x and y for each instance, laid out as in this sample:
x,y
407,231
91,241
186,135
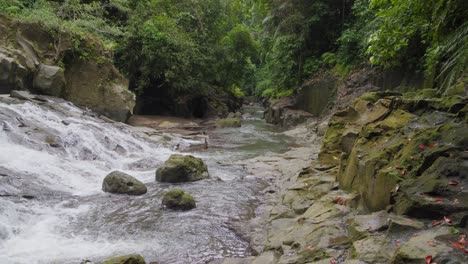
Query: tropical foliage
x,y
261,47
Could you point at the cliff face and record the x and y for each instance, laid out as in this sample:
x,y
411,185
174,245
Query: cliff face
x,y
76,68
407,152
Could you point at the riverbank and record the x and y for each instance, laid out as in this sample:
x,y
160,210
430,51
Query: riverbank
x,y
383,150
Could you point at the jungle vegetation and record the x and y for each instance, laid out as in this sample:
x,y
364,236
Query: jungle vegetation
x,y
261,47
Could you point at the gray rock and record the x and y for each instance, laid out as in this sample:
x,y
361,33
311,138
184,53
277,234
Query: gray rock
x,y
49,80
122,183
373,222
12,74
177,199
426,243
180,168
235,115
23,95
129,259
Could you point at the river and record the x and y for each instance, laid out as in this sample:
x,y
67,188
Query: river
x,y
54,156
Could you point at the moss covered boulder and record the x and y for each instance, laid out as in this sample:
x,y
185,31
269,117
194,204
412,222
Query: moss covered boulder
x,y
229,122
182,168
129,259
177,199
122,183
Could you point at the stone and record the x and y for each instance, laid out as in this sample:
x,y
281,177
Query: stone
x,y
100,87
128,259
373,222
121,183
49,80
235,115
181,168
23,95
374,249
424,244
12,74
228,122
177,199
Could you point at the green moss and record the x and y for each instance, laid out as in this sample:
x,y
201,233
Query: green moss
x,y
178,200
228,122
129,259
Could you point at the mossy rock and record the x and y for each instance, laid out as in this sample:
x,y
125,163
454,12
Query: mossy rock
x,y
177,199
181,168
228,122
128,259
122,183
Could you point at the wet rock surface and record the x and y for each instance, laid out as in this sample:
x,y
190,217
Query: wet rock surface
x,y
129,259
177,199
386,186
121,183
182,168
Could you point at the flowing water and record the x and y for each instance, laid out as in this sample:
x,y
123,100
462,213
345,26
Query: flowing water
x,y
54,156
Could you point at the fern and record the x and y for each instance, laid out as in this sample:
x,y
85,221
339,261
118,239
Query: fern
x,y
455,50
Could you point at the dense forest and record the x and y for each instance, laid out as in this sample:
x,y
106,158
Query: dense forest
x,y
259,47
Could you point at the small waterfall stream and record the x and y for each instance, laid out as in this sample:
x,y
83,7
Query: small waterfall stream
x,y
54,156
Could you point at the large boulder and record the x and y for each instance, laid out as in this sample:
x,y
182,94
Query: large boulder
x,y
177,199
49,80
229,122
12,74
100,87
129,259
122,183
180,168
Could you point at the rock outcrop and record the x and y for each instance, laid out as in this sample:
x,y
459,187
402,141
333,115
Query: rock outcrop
x,y
177,199
408,152
284,113
180,168
31,58
129,259
121,183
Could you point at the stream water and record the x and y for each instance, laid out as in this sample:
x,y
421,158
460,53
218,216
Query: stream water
x,y
54,156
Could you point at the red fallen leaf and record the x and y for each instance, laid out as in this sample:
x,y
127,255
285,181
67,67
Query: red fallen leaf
x,y
436,223
453,182
422,146
457,245
341,201
428,259
447,220
462,240
403,172
333,261
438,200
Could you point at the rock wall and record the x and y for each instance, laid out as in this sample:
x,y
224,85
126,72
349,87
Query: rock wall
x,y
407,153
50,63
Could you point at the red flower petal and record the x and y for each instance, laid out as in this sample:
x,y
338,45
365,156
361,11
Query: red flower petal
x,y
428,259
436,223
447,220
341,201
333,261
397,243
438,200
453,182
422,146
